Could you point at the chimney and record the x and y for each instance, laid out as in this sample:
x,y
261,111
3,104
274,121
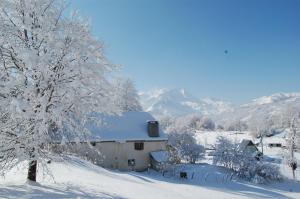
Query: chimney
x,y
153,129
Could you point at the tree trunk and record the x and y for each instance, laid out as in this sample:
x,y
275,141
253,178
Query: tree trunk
x,y
294,175
32,171
262,145
293,146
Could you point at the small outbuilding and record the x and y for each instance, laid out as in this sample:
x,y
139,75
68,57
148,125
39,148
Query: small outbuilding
x,y
248,147
159,160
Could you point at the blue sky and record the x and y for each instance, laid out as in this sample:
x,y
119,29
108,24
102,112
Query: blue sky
x,y
181,44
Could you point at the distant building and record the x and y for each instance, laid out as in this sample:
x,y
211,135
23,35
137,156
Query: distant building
x,y
248,147
279,145
123,142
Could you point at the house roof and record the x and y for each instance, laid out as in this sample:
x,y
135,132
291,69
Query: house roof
x,y
130,126
242,146
160,156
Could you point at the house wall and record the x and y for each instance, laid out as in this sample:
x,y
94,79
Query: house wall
x,y
116,155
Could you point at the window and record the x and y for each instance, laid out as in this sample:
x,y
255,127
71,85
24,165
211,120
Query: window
x,y
139,146
93,143
131,162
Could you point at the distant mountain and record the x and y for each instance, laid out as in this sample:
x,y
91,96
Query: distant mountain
x,y
178,102
278,98
265,106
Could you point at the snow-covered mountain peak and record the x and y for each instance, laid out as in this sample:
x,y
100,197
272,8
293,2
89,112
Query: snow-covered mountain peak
x,y
176,102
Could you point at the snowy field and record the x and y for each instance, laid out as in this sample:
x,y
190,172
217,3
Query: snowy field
x,y
79,179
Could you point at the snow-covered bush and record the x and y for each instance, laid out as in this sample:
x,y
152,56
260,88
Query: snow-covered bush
x,y
225,153
167,122
187,147
260,172
192,152
244,165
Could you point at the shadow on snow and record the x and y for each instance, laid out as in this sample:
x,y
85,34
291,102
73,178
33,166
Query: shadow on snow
x,y
49,192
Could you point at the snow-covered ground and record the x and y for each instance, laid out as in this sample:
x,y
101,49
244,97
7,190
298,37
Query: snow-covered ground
x,y
79,179
209,138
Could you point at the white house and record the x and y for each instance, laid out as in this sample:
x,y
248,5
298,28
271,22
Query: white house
x,y
123,142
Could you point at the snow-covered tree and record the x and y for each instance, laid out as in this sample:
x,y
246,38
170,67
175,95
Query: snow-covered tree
x,y
187,123
261,127
187,147
237,125
292,120
126,96
207,124
53,74
225,153
166,122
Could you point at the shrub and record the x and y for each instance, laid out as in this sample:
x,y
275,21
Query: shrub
x,y
187,147
244,165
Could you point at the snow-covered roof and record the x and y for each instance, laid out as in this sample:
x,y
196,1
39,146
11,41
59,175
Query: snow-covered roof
x,y
160,156
242,146
130,126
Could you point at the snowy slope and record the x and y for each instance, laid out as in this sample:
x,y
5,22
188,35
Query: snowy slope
x,y
80,179
178,102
